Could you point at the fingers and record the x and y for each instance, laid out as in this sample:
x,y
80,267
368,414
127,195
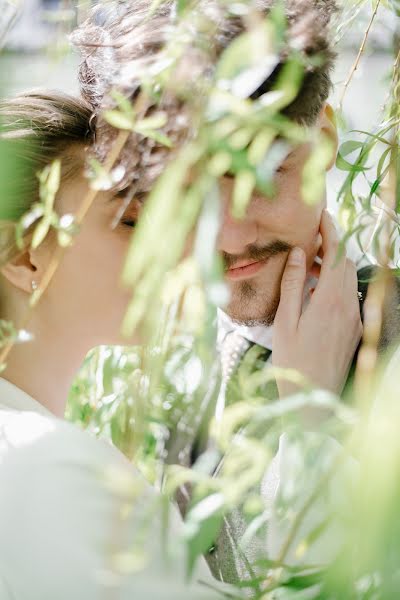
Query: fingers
x,y
330,238
333,266
292,288
350,280
315,270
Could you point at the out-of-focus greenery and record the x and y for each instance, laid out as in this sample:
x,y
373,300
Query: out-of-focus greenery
x,y
153,402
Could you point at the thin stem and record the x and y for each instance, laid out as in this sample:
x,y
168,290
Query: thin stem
x,y
377,290
359,55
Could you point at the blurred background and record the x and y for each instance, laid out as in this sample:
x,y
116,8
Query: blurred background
x,y
38,54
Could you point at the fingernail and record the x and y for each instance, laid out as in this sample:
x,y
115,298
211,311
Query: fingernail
x,y
296,257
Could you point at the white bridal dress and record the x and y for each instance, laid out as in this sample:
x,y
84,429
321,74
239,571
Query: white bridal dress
x,y
70,511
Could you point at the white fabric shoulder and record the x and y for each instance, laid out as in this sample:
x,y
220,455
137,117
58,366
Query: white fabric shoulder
x,y
67,500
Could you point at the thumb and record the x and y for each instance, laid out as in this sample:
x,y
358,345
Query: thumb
x,y
292,288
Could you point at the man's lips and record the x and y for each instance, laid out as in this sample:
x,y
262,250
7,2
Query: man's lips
x,y
245,268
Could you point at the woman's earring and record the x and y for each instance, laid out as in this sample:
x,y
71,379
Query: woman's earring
x,y
34,286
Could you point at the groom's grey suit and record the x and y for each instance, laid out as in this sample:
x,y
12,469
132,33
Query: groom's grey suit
x,y
227,560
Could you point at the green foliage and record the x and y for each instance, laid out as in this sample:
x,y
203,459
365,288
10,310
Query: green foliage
x,y
157,403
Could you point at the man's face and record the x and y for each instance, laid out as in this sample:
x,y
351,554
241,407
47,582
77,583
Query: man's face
x,y
256,247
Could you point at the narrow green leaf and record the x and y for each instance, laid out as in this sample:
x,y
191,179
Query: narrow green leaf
x,y
40,232
123,103
119,120
156,121
244,185
202,526
158,136
314,171
350,146
53,180
344,165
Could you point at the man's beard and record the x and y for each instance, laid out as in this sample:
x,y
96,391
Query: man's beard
x,y
253,303
250,307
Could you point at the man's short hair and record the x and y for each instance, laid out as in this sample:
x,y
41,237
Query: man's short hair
x,y
120,42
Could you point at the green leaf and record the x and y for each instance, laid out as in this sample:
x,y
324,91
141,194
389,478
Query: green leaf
x,y
260,146
53,179
350,146
344,165
277,16
288,84
37,211
375,187
219,164
248,61
158,136
156,121
123,103
49,182
119,120
158,213
41,231
267,167
381,170
244,185
314,171
202,526
241,138
148,128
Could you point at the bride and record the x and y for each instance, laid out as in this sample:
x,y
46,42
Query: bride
x,y
65,529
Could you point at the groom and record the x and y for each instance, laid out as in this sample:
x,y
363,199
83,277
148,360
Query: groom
x,y
117,43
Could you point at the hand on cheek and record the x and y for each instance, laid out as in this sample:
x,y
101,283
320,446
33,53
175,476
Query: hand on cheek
x,y
319,341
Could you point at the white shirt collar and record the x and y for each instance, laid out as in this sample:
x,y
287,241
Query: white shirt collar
x,y
258,334
12,397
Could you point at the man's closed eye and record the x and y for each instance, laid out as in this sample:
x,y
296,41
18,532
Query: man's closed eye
x,y
129,222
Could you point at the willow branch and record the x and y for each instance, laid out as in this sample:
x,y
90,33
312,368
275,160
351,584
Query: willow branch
x,y
359,55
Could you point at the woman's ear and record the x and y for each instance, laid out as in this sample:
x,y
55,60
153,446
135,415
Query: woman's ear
x,y
22,272
327,125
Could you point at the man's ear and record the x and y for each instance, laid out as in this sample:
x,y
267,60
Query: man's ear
x,y
327,124
21,271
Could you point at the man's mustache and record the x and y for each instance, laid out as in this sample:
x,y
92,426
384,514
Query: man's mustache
x,y
256,253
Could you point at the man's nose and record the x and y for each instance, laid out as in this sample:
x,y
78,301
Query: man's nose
x,y
235,234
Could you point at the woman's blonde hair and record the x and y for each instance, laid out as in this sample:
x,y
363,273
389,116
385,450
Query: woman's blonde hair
x,y
35,129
